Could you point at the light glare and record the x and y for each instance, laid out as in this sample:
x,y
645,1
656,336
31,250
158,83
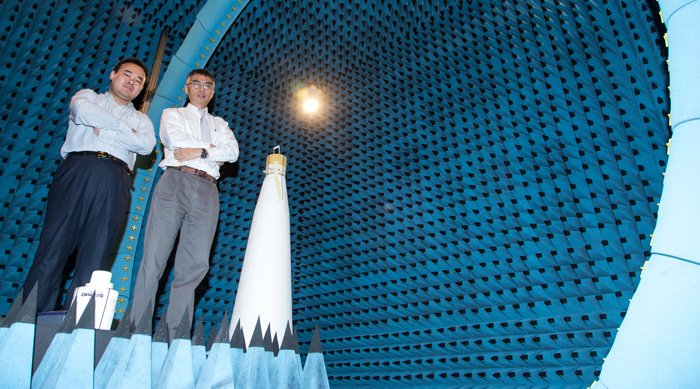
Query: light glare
x,y
310,99
311,105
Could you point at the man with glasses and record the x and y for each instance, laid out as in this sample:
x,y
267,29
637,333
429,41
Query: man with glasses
x,y
185,200
90,190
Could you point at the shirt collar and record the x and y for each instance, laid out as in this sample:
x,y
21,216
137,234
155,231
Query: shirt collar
x,y
197,110
130,104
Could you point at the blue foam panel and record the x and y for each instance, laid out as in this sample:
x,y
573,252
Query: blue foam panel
x,y
16,350
177,367
657,330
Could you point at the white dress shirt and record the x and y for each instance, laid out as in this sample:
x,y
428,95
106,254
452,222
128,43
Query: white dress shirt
x,y
89,109
180,128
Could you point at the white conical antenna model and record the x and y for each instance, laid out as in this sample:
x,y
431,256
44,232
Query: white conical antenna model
x,y
265,286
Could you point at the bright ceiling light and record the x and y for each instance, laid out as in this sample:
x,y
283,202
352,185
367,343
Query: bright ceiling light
x,y
310,99
311,105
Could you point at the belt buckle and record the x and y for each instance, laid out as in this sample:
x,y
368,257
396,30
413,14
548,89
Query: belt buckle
x,y
102,154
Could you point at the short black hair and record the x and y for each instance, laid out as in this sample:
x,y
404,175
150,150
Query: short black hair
x,y
133,60
202,72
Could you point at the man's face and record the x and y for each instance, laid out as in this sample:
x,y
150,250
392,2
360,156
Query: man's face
x,y
200,90
126,83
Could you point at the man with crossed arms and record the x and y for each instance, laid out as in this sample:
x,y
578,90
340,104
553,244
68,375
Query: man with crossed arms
x,y
90,191
186,199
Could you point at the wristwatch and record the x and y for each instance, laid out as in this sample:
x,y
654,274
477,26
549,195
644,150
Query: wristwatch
x,y
204,154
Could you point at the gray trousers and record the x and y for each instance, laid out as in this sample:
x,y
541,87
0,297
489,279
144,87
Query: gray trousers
x,y
189,204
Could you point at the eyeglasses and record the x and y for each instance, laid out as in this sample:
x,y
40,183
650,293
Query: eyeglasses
x,y
206,85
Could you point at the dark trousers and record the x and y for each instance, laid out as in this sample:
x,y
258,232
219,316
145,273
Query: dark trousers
x,y
84,211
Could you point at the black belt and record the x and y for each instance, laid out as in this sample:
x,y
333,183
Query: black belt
x,y
103,155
